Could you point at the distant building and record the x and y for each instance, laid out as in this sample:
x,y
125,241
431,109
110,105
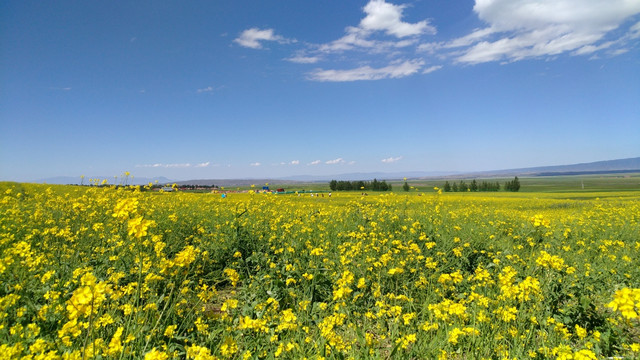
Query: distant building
x,y
167,189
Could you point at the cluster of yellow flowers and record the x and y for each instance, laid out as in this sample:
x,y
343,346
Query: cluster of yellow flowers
x,y
627,302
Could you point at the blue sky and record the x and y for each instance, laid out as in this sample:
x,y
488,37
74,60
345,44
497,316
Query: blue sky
x,y
228,89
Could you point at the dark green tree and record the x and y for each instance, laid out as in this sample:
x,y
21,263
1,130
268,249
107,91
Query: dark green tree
x,y
446,187
405,186
513,185
474,185
463,186
375,185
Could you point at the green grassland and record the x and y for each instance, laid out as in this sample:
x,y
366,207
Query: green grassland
x,y
587,184
569,183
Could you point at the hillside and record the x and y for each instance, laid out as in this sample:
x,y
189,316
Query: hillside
x,y
598,167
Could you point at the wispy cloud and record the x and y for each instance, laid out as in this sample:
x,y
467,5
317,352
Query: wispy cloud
x,y
290,163
205,90
432,69
335,161
304,59
391,159
255,164
253,38
618,52
160,165
176,165
634,31
392,71
315,162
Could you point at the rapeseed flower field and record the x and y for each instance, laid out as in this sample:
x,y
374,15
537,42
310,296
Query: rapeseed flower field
x,y
119,273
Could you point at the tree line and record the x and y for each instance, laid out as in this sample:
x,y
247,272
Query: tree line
x,y
513,185
374,185
196,187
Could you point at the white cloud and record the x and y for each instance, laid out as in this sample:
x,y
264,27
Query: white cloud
x,y
431,69
470,39
588,49
315,162
203,90
391,159
429,47
395,70
634,31
252,38
358,38
255,164
521,29
159,165
291,163
176,165
304,59
382,16
335,161
382,38
355,37
619,52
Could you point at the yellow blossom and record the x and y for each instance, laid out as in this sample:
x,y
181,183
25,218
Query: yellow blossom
x,y
627,302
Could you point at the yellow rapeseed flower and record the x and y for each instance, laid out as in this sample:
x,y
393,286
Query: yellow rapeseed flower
x,y
627,302
156,355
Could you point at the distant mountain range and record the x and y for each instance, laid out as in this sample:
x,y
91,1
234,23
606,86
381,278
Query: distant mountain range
x,y
598,167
